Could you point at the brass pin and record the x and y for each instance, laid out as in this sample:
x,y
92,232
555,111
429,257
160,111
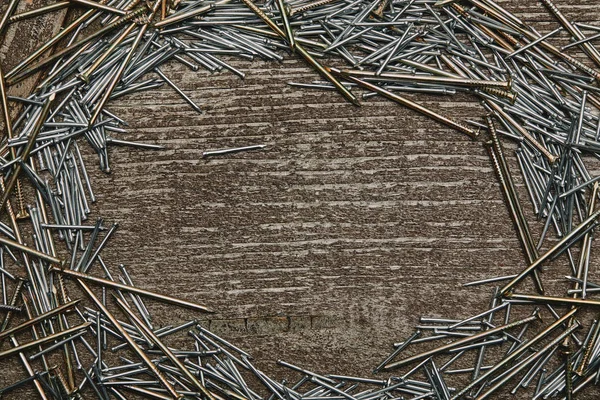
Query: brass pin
x,y
39,11
152,336
130,289
44,339
460,342
132,344
542,259
39,318
415,106
26,151
300,50
515,354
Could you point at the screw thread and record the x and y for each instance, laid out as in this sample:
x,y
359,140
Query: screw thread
x,y
309,6
22,213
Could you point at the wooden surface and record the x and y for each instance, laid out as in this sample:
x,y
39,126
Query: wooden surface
x,y
326,247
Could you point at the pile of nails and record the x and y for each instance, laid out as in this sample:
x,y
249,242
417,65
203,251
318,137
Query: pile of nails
x,y
542,97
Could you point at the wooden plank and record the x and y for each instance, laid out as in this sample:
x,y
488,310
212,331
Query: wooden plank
x,y
326,247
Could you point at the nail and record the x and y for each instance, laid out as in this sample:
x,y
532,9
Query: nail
x,y
458,343
414,106
115,285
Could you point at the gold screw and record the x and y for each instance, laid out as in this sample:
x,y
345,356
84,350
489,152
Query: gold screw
x,y
22,212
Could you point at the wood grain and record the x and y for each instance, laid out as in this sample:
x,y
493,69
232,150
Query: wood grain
x,y
326,247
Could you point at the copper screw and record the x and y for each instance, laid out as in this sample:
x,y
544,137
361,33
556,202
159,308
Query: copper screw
x,y
64,386
309,6
13,302
39,11
22,212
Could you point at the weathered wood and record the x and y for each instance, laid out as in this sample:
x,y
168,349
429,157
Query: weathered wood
x,y
326,247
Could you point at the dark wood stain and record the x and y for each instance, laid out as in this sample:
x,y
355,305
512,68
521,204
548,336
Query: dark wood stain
x,y
324,248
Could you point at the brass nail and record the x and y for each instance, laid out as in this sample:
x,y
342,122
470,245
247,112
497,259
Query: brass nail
x,y
50,43
130,289
189,14
542,259
12,6
416,107
73,47
26,151
289,34
44,339
300,50
529,360
552,299
38,319
504,115
460,342
39,11
393,76
588,48
515,354
132,344
152,336
100,6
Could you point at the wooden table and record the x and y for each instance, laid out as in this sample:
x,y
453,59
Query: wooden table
x,y
325,247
